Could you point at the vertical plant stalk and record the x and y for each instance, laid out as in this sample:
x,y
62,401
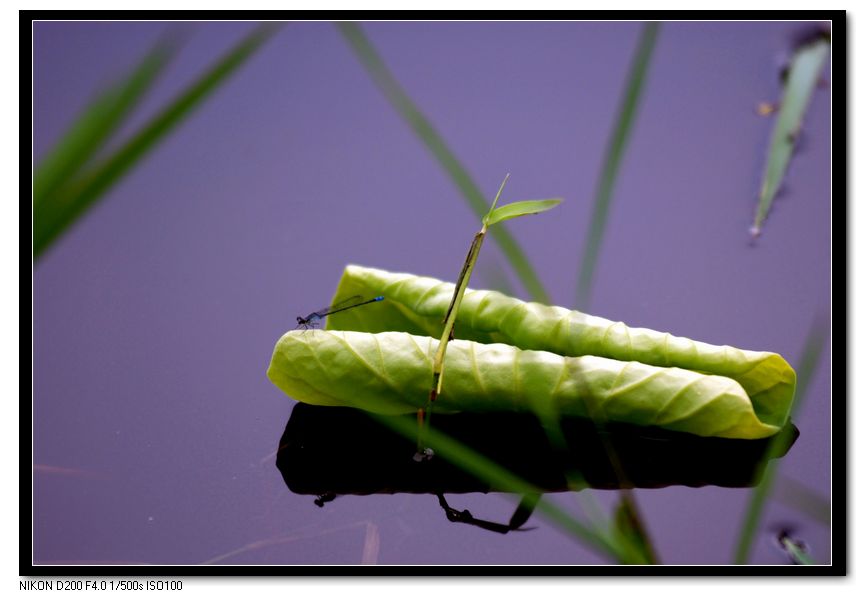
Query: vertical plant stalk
x,y
434,142
808,361
462,283
612,159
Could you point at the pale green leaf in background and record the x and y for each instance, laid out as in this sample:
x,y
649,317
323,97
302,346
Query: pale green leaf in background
x,y
802,77
796,552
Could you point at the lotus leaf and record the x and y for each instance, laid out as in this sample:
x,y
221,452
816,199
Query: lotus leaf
x,y
523,356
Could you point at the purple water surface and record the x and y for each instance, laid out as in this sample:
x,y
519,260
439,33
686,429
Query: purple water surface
x,y
155,316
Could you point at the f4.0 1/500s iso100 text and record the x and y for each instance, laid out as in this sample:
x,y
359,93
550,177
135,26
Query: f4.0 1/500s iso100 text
x,y
82,585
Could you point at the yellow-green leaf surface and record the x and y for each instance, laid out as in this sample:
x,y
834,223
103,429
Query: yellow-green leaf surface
x,y
389,373
514,355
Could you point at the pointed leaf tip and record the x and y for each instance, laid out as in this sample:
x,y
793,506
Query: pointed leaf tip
x,y
519,209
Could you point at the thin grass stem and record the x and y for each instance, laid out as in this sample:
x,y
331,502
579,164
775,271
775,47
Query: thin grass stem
x,y
807,365
500,479
612,160
434,142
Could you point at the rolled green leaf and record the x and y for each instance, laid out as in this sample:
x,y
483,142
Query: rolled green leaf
x,y
388,373
417,304
560,361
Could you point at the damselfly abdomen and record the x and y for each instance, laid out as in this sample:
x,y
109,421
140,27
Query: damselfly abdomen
x,y
313,319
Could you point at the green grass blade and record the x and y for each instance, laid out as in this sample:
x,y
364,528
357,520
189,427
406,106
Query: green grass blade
x,y
495,277
502,480
633,532
496,199
807,364
49,224
612,159
633,537
796,495
519,209
434,142
796,553
95,125
802,77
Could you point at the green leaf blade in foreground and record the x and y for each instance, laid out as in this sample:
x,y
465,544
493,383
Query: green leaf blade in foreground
x,y
416,305
388,373
518,209
95,125
802,79
87,188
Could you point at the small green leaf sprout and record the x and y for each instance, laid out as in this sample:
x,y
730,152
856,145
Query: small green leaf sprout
x,y
493,216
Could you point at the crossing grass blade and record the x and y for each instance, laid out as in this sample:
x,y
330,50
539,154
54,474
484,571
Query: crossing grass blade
x,y
503,480
52,218
434,142
633,532
808,362
612,159
633,535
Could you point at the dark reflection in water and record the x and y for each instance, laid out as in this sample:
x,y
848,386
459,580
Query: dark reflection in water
x,y
331,451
